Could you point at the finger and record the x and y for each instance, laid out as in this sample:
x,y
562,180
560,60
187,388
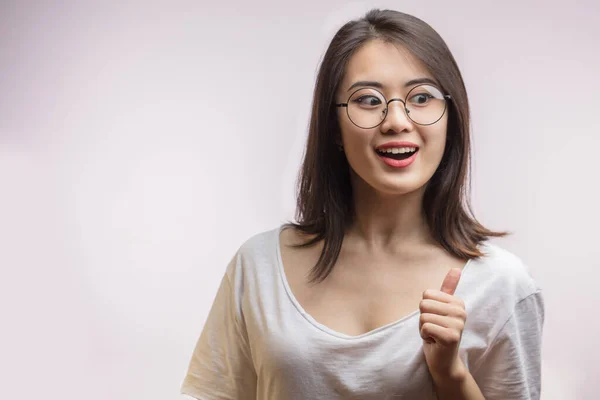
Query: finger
x,y
444,309
451,281
443,321
434,307
442,297
439,334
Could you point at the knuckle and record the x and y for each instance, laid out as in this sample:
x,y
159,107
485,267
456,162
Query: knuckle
x,y
455,337
459,312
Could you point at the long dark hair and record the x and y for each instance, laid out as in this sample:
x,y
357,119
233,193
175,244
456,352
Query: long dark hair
x,y
324,193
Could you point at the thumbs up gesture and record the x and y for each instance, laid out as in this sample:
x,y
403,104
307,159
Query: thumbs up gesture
x,y
442,321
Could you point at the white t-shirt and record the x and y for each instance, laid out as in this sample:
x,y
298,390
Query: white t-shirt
x,y
258,342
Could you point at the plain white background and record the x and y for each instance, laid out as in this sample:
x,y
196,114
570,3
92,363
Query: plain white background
x,y
142,142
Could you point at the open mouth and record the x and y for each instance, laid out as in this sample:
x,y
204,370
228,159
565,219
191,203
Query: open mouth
x,y
401,153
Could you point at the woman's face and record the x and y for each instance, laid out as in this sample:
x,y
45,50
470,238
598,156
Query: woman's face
x,y
389,68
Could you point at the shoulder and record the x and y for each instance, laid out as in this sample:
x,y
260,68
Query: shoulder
x,y
495,286
502,273
256,253
261,242
505,312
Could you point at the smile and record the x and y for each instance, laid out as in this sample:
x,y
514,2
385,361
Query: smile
x,y
398,157
397,153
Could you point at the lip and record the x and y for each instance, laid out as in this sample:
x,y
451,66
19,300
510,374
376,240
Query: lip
x,y
398,163
396,144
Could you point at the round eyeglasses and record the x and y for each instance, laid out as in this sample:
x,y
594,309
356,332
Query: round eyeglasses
x,y
424,105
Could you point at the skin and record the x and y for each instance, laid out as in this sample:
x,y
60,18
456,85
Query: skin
x,y
389,201
389,264
392,66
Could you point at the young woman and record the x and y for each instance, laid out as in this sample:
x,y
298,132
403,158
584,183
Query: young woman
x,y
386,287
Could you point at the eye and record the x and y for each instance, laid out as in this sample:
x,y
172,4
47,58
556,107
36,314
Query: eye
x,y
368,100
420,99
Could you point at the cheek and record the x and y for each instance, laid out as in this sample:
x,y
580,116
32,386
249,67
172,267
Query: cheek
x,y
435,142
354,138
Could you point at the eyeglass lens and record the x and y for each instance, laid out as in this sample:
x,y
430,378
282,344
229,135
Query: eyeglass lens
x,y
425,105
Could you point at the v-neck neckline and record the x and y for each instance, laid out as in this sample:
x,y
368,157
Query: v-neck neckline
x,y
322,327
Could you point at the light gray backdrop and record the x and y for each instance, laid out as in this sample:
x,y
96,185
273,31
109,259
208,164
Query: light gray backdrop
x,y
141,142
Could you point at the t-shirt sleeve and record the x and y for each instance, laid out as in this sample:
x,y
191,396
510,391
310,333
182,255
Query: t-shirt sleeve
x,y
221,365
511,367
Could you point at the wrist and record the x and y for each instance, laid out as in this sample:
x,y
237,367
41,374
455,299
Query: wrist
x,y
457,385
452,378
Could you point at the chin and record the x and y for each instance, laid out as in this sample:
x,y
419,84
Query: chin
x,y
400,187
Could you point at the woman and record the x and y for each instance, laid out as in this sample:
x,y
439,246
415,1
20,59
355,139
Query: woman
x,y
386,287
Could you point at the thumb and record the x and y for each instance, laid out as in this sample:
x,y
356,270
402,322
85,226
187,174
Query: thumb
x,y
451,281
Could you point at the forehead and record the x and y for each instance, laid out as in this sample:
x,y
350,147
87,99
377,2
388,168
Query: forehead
x,y
389,63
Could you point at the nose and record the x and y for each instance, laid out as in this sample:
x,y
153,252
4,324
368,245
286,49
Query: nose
x,y
396,119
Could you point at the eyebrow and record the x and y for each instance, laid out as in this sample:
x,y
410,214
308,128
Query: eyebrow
x,y
379,85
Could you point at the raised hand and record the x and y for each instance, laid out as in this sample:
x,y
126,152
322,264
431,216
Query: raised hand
x,y
442,321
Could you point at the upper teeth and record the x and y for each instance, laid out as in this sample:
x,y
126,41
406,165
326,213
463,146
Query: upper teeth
x,y
396,150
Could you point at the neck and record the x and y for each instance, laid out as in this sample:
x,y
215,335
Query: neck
x,y
388,222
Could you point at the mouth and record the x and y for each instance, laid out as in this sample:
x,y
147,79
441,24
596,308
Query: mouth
x,y
397,153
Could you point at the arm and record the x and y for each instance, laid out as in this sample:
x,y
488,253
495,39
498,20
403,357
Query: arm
x,y
221,366
511,367
460,387
441,325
